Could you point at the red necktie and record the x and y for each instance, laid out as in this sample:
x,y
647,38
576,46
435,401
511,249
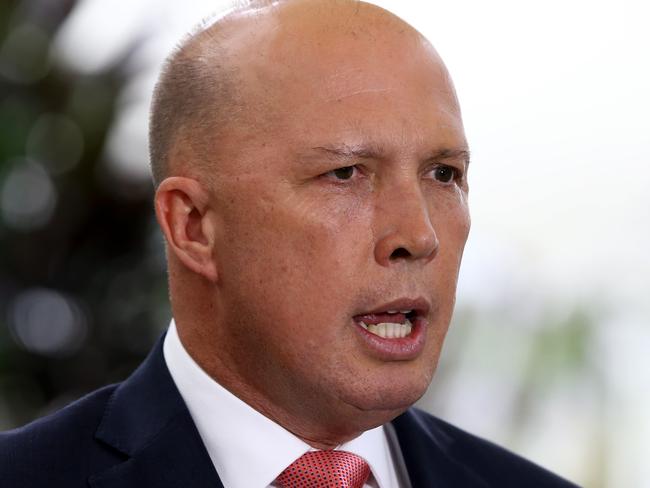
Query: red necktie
x,y
325,469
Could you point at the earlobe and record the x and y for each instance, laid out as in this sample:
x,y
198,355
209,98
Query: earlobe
x,y
183,213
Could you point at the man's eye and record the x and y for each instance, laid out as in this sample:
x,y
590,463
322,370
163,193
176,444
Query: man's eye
x,y
344,173
445,174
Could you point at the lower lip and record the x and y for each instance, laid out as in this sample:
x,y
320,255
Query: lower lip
x,y
402,349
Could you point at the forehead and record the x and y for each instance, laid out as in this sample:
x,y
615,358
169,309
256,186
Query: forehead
x,y
328,43
363,75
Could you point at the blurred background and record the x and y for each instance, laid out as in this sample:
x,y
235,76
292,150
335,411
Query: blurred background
x,y
549,352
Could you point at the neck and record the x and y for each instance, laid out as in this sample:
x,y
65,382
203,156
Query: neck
x,y
321,424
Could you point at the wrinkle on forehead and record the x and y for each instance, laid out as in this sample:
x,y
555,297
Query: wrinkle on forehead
x,y
346,83
338,98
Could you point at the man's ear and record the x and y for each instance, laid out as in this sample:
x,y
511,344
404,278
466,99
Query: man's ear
x,y
182,210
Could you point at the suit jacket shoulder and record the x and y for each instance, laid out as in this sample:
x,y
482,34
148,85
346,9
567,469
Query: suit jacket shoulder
x,y
438,454
57,450
138,433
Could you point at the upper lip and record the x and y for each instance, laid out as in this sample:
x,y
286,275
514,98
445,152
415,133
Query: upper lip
x,y
419,305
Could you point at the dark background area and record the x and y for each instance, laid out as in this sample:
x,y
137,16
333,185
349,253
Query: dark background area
x,y
82,277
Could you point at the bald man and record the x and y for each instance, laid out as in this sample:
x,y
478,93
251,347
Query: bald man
x,y
310,166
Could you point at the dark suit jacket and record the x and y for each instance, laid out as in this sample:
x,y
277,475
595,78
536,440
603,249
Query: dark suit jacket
x,y
140,434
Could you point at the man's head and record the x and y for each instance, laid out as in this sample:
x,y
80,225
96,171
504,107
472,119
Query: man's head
x,y
325,193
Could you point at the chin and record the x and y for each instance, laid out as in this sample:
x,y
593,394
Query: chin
x,y
386,400
362,403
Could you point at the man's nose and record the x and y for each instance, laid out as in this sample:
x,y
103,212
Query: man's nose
x,y
405,231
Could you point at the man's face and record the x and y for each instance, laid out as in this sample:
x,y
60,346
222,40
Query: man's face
x,y
341,201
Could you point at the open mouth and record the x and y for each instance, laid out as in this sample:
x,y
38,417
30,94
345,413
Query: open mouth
x,y
393,324
394,320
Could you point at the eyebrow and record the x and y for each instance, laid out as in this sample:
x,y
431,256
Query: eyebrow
x,y
443,154
352,151
345,151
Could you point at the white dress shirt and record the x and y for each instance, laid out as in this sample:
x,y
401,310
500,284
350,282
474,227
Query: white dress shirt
x,y
249,450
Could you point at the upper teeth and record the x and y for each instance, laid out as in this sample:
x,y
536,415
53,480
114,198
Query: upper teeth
x,y
399,311
389,330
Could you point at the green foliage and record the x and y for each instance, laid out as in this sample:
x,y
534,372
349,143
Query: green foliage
x,y
82,281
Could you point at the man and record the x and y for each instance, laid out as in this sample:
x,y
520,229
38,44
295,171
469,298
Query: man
x,y
311,173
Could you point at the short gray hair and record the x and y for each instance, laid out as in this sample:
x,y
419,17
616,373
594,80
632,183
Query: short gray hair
x,y
195,94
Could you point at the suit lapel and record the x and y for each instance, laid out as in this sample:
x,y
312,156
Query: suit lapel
x,y
173,459
427,454
147,420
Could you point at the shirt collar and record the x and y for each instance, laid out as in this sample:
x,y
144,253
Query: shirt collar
x,y
234,433
372,446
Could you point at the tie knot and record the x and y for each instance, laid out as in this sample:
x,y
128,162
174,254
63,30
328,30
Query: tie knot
x,y
325,469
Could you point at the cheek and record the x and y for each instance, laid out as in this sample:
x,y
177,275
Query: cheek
x,y
288,249
319,234
452,224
